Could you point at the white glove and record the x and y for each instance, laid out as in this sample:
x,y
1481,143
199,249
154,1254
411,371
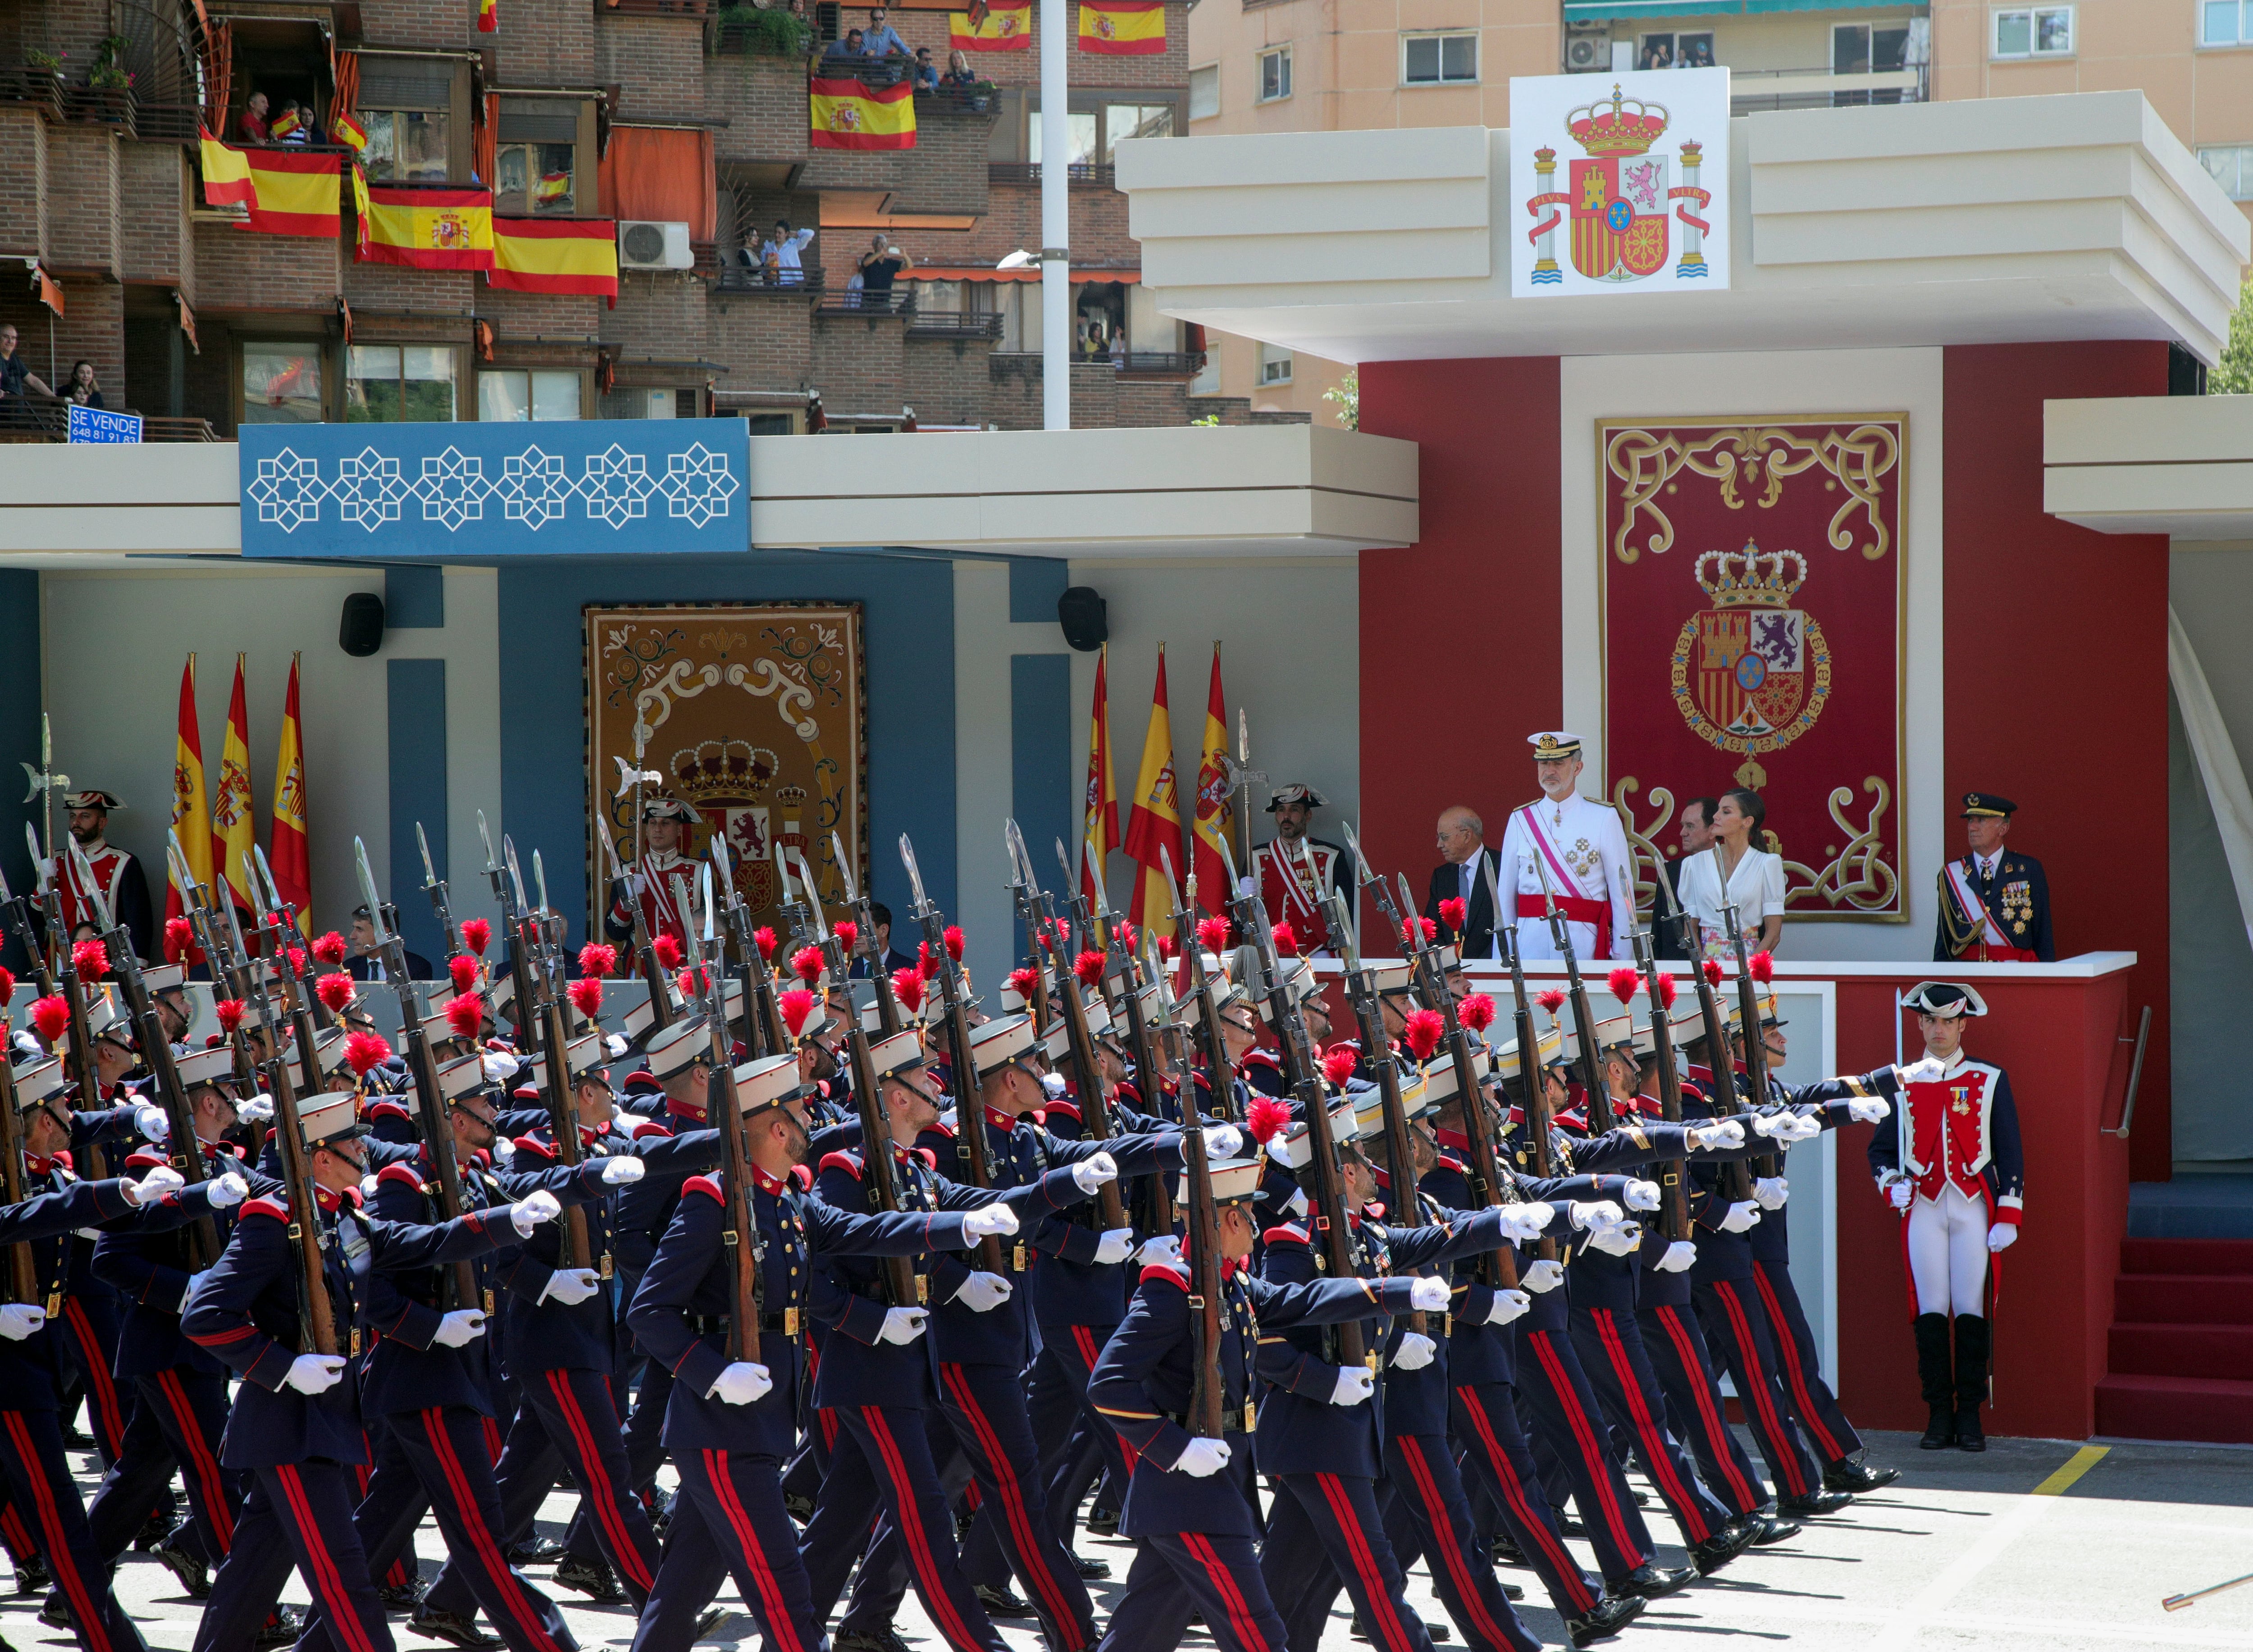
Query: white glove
x,y
1740,1218
742,1384
1243,886
367,1187
1162,1250
1543,1276
533,1210
1354,1384
315,1373
1053,1086
1414,1353
1202,1457
460,1328
1115,1246
1429,1295
2002,1236
1784,1128
902,1325
1618,1239
1508,1305
638,883
1641,1196
1869,1110
1679,1255
620,1168
1597,1213
996,1221
1719,1136
19,1320
570,1287
1091,1173
1903,1193
504,1149
1930,1070
1770,1192
1222,1141
160,1181
255,1110
981,1292
227,1191
152,1123
1526,1222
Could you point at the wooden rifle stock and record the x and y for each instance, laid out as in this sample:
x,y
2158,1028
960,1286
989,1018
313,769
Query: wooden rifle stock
x,y
22,1276
1209,1386
1674,1180
184,1151
316,1314
1736,1180
740,1240
1094,1109
1756,1085
1533,1102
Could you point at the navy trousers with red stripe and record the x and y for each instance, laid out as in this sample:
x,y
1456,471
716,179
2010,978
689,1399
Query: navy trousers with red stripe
x,y
1676,1347
1332,1521
1484,1417
1801,1367
1174,1577
1619,1369
1737,1331
90,1327
728,1521
178,1418
297,1515
1569,1420
1056,1400
38,1482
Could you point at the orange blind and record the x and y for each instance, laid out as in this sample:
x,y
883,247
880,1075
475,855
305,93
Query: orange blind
x,y
664,173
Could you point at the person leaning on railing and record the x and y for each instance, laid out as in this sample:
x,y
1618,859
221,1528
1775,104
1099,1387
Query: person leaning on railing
x,y
19,386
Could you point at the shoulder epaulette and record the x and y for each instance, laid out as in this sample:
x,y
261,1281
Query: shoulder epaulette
x,y
389,1109
648,1127
802,1175
1284,1235
405,1175
848,1162
146,1159
706,1185
534,1146
1158,1274
1449,1161
263,1207
1069,1108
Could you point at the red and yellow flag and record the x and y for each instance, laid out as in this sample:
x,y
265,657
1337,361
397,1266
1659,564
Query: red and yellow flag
x,y
226,173
289,854
348,132
846,115
232,823
1098,832
992,26
427,229
1215,801
555,255
1122,28
488,17
284,124
191,807
1156,821
294,194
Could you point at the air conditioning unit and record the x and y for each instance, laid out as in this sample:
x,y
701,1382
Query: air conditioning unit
x,y
1588,48
647,244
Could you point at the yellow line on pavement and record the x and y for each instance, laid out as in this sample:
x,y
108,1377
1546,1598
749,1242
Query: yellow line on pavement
x,y
2081,1462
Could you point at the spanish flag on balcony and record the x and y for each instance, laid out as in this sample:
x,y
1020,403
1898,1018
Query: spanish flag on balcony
x,y
284,124
846,115
992,26
293,194
488,17
226,173
428,228
555,255
348,132
1122,28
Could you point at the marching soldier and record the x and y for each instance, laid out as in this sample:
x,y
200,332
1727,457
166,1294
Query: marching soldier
x,y
1573,849
117,872
1951,1164
665,823
1994,905
1281,874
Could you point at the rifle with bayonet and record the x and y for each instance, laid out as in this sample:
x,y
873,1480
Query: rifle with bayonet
x,y
1029,915
739,1240
1584,1056
16,913
434,886
747,947
1736,1178
1755,1034
510,897
1207,1033
78,1046
423,1068
1207,1385
1532,1084
1674,1177
306,1013
316,1314
230,973
645,950
23,1273
1119,965
888,1005
538,960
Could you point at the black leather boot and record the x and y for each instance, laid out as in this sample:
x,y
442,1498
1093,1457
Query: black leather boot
x,y
1937,1378
1970,1380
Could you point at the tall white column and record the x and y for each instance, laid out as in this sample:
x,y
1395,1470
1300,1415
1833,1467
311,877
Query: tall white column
x,y
1056,218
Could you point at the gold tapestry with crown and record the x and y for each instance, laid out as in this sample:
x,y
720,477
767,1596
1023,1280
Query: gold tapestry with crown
x,y
1753,582
754,714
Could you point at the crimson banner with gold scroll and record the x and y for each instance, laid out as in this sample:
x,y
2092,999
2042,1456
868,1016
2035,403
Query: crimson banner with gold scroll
x,y
1752,622
755,715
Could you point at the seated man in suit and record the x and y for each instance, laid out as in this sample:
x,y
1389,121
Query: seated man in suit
x,y
365,963
1461,876
1697,837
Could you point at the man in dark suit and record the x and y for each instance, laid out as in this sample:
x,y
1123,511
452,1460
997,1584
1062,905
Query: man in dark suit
x,y
366,964
1697,838
1461,876
881,942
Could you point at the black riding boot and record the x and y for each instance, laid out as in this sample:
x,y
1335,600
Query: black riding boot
x,y
1935,1377
1970,1380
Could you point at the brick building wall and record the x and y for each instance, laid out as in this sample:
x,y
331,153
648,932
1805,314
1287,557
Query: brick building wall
x,y
657,63
159,247
551,43
763,99
660,316
84,196
239,269
23,183
945,172
763,340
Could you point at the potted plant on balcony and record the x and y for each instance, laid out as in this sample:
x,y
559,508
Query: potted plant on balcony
x,y
38,80
109,84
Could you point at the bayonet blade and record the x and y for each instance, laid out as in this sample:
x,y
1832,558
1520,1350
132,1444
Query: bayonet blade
x,y
915,873
539,880
273,889
515,872
727,871
429,871
689,931
844,871
493,863
704,880
92,886
816,917
609,848
367,895
1173,889
1228,864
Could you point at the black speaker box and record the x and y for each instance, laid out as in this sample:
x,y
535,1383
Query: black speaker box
x,y
360,631
1083,614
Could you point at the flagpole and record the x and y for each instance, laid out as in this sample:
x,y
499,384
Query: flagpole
x,y
1055,218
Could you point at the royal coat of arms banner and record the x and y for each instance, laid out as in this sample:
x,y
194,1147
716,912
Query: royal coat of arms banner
x,y
1623,180
753,715
1752,588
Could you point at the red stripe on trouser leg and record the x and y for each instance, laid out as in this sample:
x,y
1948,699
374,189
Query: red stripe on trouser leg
x,y
625,1552
95,1363
492,1440
1657,1458
1443,1537
200,1462
908,1516
1718,1439
781,1632
1022,1523
1505,1474
1763,1401
1240,1615
481,1538
326,1581
1787,1355
1357,1545
18,1540
1589,1443
60,1562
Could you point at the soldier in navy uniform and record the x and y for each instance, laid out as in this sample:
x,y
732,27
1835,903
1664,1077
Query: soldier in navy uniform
x,y
1994,905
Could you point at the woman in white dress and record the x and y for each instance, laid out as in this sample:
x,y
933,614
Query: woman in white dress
x,y
1753,877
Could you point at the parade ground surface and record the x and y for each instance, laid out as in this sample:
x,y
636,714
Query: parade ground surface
x,y
2036,1544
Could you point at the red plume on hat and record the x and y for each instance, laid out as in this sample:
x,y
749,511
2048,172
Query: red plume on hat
x,y
907,987
1286,938
1338,1062
1625,982
1713,968
90,960
952,936
795,1005
926,960
7,988
598,960
1267,1118
1762,966
1551,999
329,949
364,1050
1025,982
587,995
296,961
1212,933
1453,913
1423,1030
764,937
1477,1012
179,938
666,950
806,963
1414,927
476,934
229,1011
463,969
51,1018
1667,989
692,981
848,932
465,1014
1089,967
1167,946
336,990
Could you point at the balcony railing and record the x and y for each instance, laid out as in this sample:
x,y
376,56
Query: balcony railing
x,y
1757,90
851,300
790,283
1092,175
1161,363
176,122
954,323
23,419
653,8
40,89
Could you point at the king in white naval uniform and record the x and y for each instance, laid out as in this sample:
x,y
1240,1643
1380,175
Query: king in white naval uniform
x,y
1579,846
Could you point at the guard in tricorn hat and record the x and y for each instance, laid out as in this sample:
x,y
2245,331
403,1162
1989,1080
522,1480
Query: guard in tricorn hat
x,y
1291,896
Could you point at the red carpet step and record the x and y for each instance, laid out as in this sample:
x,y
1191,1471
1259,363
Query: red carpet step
x,y
2181,1345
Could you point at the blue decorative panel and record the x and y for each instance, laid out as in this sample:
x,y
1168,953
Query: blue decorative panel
x,y
475,492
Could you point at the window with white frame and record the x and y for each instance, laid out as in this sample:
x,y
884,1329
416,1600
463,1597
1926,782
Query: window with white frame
x,y
1204,92
2031,32
1274,365
1275,74
2225,22
1439,60
2231,165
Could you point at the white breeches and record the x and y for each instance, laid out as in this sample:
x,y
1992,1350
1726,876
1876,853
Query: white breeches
x,y
1948,1252
1536,940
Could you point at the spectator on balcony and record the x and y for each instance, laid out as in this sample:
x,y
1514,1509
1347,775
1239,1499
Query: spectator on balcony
x,y
82,389
779,255
879,265
882,40
1698,54
19,386
250,125
959,76
843,55
926,71
1657,54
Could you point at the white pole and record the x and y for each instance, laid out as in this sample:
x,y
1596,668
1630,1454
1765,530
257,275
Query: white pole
x,y
1055,218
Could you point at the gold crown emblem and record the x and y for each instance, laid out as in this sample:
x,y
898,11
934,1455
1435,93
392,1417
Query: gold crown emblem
x,y
789,797
1751,577
1625,126
721,769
